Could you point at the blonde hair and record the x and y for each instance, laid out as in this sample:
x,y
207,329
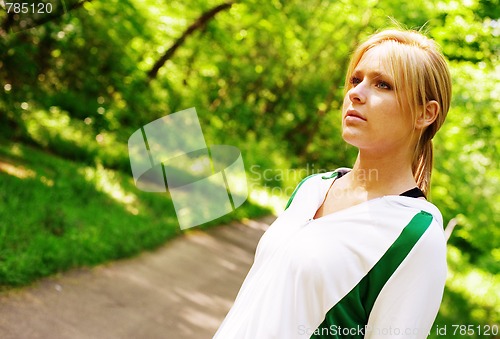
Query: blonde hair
x,y
421,73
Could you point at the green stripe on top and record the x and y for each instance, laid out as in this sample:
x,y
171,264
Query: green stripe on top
x,y
353,311
334,175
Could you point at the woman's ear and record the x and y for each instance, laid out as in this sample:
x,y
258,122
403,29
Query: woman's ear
x,y
429,115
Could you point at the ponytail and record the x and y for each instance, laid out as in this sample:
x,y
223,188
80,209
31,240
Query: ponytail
x,y
422,166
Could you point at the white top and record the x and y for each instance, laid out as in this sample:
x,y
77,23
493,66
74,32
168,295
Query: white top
x,y
306,270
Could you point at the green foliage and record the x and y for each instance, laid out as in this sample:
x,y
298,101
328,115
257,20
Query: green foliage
x,y
266,77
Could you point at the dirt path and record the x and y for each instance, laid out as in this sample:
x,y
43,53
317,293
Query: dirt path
x,y
182,290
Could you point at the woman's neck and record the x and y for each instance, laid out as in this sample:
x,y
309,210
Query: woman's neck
x,y
382,175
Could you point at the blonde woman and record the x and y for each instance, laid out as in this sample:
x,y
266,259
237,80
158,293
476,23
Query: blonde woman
x,y
361,253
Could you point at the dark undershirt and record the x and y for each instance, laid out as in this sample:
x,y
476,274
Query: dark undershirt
x,y
415,192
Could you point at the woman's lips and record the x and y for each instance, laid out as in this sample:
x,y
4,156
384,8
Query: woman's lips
x,y
353,115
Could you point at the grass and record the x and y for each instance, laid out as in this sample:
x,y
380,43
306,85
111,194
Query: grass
x,y
57,214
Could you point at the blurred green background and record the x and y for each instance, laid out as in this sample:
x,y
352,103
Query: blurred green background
x,y
266,77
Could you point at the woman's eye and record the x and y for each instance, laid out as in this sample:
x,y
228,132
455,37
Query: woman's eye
x,y
354,81
383,85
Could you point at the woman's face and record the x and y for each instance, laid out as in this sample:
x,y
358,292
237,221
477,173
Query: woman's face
x,y
372,118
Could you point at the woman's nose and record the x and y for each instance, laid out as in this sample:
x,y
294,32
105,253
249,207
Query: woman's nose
x,y
357,93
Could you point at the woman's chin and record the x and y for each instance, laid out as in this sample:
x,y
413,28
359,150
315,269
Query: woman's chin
x,y
351,138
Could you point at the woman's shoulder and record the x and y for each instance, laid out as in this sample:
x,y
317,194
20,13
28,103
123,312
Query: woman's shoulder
x,y
417,205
